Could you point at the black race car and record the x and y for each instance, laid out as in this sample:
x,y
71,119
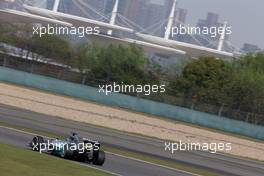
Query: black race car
x,y
74,148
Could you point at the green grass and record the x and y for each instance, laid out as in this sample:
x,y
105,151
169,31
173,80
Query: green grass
x,y
15,162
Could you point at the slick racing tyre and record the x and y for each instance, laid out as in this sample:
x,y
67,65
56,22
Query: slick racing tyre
x,y
100,159
36,142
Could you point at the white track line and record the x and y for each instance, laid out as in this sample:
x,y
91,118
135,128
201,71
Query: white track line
x,y
25,132
102,170
139,160
131,158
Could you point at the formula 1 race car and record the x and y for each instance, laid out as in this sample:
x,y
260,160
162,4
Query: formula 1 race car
x,y
73,148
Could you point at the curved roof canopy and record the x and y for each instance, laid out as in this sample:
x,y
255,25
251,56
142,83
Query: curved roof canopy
x,y
14,16
149,43
148,47
191,49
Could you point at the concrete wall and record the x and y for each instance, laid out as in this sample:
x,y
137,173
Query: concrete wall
x,y
132,103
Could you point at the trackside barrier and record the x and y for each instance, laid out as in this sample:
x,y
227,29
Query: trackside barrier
x,y
132,103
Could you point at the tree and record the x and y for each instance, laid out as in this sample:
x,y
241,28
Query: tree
x,y
7,32
113,63
53,47
202,80
246,87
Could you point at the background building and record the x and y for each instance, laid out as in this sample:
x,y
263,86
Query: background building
x,y
11,4
250,48
181,15
212,20
143,13
180,19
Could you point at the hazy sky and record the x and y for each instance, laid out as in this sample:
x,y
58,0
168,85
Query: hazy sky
x,y
245,16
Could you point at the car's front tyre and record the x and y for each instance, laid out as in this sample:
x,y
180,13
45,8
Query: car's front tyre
x,y
100,158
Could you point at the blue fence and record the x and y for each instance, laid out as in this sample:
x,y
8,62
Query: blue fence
x,y
132,103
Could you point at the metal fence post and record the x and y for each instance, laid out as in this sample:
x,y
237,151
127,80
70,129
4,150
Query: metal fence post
x,y
84,79
220,110
5,61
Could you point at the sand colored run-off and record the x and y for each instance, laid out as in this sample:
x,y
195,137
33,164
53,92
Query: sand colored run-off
x,y
120,119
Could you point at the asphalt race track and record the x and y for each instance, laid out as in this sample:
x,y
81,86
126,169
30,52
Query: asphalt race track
x,y
222,164
114,164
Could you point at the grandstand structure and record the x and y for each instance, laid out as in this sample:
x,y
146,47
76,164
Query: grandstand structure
x,y
116,28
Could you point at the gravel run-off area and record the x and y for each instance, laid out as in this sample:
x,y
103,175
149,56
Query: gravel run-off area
x,y
123,120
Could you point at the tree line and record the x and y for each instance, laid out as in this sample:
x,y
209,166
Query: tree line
x,y
237,84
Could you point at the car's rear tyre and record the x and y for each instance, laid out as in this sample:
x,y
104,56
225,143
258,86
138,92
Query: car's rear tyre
x,y
100,159
36,142
67,153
